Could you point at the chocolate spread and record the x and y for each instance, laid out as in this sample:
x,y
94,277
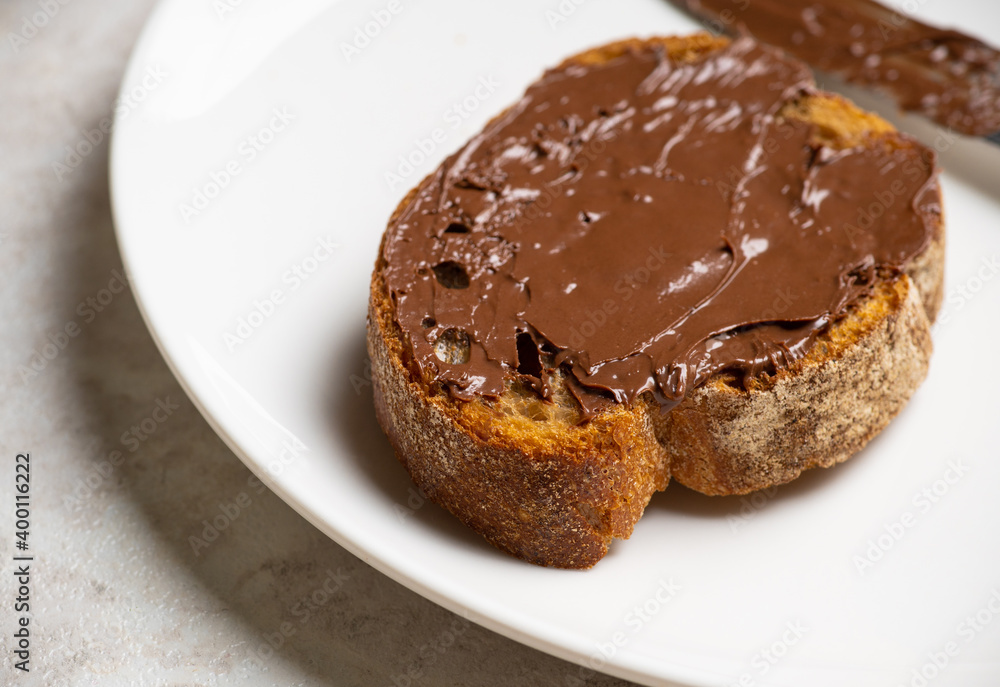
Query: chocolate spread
x,y
948,76
644,224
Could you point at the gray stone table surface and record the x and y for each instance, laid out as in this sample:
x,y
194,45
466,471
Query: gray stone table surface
x,y
118,597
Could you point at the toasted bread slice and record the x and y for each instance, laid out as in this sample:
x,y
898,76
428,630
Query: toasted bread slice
x,y
536,482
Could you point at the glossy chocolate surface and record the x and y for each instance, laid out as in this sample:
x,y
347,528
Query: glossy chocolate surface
x,y
645,224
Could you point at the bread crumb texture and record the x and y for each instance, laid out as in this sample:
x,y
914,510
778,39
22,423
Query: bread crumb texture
x,y
535,482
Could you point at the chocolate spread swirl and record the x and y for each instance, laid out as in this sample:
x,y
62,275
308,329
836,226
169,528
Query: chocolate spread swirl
x,y
948,76
643,224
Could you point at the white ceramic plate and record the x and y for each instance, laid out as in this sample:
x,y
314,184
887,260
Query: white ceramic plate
x,y
249,178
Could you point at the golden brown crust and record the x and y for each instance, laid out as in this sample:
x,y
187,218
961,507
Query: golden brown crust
x,y
819,412
553,497
536,484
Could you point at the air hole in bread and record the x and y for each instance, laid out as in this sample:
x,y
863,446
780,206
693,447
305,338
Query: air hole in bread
x,y
453,347
524,401
451,275
536,411
528,361
548,348
733,381
456,228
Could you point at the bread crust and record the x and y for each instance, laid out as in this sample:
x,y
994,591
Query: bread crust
x,y
554,492
817,413
550,503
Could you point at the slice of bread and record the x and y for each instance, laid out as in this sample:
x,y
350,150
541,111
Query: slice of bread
x,y
535,481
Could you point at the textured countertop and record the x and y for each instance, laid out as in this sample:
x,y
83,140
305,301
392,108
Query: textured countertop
x,y
124,471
